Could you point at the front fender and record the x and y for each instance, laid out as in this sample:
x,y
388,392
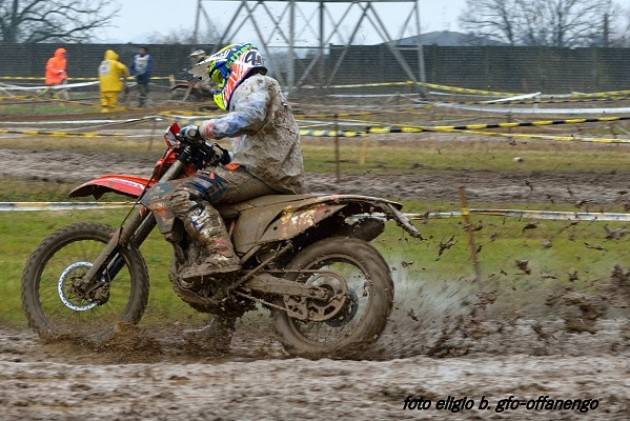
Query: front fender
x,y
128,185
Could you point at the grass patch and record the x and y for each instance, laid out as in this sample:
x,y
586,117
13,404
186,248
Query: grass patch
x,y
46,108
581,250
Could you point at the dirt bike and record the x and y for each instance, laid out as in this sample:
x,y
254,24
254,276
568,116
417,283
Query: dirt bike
x,y
306,258
194,90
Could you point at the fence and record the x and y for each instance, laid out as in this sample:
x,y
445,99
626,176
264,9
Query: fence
x,y
525,69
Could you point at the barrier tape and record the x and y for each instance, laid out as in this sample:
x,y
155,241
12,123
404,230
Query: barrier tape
x,y
54,87
72,78
516,110
527,214
507,213
55,133
502,125
541,101
59,206
377,129
559,138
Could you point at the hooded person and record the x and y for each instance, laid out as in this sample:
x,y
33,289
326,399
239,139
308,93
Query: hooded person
x,y
56,68
56,73
265,158
110,73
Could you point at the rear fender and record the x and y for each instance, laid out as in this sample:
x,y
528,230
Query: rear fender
x,y
127,185
289,221
293,222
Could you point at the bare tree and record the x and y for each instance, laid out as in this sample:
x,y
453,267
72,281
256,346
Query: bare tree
x,y
53,20
493,19
208,35
565,23
557,23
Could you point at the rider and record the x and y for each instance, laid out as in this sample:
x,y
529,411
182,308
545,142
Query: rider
x,y
266,157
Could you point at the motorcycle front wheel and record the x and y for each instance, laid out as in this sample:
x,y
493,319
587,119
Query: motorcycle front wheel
x,y
52,295
368,304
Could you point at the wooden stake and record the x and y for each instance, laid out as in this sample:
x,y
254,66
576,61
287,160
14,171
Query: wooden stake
x,y
471,235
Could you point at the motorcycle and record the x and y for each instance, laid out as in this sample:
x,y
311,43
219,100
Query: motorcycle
x,y
306,258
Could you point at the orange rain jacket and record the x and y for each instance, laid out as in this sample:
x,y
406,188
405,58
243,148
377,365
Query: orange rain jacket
x,y
56,68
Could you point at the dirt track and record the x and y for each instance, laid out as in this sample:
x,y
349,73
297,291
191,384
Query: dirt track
x,y
63,166
431,348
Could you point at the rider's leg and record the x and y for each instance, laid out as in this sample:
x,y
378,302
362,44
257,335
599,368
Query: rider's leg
x,y
203,222
240,186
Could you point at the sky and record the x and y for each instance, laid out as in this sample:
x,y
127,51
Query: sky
x,y
137,21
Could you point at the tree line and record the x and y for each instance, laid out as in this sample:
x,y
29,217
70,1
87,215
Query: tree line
x,y
551,23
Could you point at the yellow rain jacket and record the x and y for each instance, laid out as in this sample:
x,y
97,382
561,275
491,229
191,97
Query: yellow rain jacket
x,y
110,72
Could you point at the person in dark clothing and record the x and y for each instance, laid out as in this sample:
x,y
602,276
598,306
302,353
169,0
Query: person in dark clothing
x,y
141,68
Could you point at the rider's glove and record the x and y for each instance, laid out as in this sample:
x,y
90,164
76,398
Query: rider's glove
x,y
224,155
191,133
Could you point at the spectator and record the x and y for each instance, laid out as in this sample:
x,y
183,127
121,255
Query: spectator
x,y
110,73
56,70
141,67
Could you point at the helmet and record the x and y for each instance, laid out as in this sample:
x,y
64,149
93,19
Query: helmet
x,y
227,68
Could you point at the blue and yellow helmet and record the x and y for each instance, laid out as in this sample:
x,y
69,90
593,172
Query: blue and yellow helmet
x,y
227,68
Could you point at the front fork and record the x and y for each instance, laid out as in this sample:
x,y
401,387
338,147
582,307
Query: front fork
x,y
137,228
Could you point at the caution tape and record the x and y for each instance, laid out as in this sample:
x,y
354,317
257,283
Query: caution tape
x,y
59,206
72,78
331,133
507,213
542,101
487,108
53,87
533,136
527,214
56,133
438,87
483,126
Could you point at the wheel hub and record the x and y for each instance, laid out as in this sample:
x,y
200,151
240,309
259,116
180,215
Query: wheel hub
x,y
319,310
75,293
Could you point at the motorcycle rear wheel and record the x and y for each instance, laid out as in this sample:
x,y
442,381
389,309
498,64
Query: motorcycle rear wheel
x,y
363,326
52,308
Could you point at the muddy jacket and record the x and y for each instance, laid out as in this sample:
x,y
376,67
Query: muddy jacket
x,y
110,71
56,68
269,142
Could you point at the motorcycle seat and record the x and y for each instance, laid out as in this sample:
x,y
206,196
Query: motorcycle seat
x,y
233,210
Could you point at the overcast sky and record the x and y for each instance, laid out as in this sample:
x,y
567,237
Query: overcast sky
x,y
138,19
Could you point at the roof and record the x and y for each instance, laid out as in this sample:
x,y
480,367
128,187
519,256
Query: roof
x,y
449,38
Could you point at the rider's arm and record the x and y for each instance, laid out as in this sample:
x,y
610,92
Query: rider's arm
x,y
248,115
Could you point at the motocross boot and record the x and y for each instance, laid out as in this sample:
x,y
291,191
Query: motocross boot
x,y
218,332
206,227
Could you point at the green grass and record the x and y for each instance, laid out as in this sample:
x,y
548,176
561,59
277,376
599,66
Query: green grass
x,y
45,108
503,241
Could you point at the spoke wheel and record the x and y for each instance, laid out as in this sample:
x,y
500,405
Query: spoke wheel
x,y
55,297
363,313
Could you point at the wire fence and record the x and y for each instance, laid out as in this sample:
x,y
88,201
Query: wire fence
x,y
515,69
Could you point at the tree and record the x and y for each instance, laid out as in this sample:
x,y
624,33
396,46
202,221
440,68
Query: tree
x,y
556,23
493,19
53,20
565,23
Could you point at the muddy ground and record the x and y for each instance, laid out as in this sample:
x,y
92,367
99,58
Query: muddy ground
x,y
437,343
489,186
433,347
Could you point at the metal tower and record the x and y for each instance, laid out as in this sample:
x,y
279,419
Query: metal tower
x,y
327,27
